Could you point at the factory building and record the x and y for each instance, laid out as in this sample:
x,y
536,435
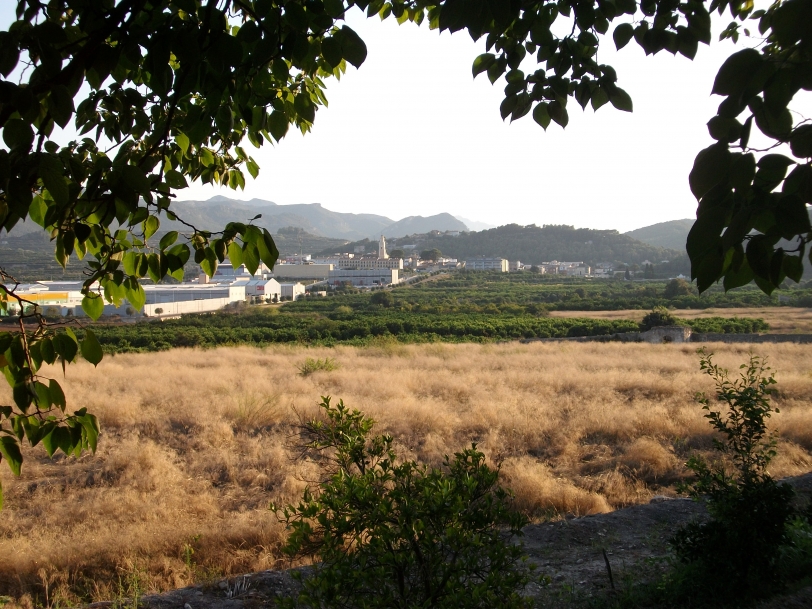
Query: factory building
x,y
363,277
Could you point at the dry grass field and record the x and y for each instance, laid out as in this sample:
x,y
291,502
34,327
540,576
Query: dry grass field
x,y
782,320
195,444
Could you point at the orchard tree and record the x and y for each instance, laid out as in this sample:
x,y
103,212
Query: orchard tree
x,y
432,254
163,92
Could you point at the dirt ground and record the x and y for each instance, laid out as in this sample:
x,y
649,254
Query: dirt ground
x,y
782,320
569,552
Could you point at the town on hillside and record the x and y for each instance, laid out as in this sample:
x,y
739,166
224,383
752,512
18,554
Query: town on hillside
x,y
296,276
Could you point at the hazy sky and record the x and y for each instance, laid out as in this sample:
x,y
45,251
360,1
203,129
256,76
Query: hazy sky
x,y
411,133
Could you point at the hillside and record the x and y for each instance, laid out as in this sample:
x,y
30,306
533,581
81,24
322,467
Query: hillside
x,y
671,235
533,245
421,224
215,213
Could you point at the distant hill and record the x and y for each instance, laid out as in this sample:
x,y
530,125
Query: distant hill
x,y
672,234
533,245
473,225
215,213
419,224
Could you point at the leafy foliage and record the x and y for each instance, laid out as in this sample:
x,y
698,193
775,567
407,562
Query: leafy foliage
x,y
659,316
312,365
677,287
736,554
394,533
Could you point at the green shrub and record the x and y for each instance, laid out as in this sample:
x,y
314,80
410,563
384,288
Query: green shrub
x,y
310,365
736,553
395,534
659,316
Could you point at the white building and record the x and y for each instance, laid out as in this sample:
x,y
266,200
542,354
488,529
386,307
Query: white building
x,y
265,289
292,291
487,264
363,277
301,271
382,249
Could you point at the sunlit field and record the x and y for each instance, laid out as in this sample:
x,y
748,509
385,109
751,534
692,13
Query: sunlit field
x,y
196,444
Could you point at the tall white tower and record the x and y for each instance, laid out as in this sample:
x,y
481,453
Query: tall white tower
x,y
382,248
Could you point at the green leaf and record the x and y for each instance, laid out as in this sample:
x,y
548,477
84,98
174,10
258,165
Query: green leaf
x,y
541,115
93,306
66,346
206,157
482,63
168,239
175,179
334,8
51,172
18,134
235,254
182,140
135,294
801,141
623,34
10,450
331,50
90,426
352,47
558,113
43,399
253,168
794,267
250,257
740,277
209,262
151,225
22,396
736,72
599,98
621,100
91,348
38,210
711,167
278,124
9,56
135,178
57,395
60,105
742,171
267,249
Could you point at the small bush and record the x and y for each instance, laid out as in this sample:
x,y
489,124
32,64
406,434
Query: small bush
x,y
392,533
736,553
310,365
659,316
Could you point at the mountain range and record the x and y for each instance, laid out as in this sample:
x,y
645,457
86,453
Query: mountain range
x,y
216,212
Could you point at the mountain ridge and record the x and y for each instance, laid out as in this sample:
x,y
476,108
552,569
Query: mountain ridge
x,y
214,213
671,234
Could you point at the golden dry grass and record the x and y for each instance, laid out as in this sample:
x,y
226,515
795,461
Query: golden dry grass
x,y
195,445
782,320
